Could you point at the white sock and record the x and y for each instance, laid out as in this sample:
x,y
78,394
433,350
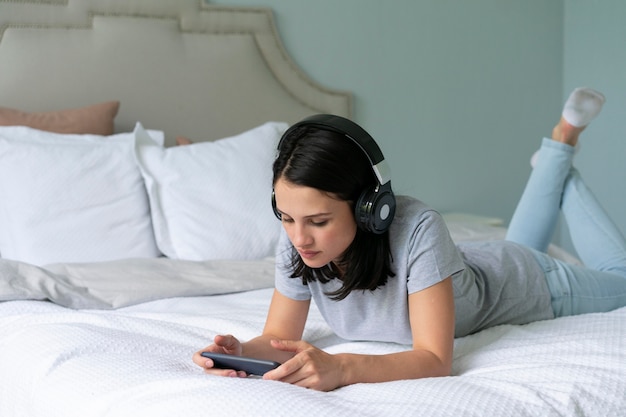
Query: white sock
x,y
582,106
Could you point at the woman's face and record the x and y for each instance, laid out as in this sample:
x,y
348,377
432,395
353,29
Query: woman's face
x,y
319,226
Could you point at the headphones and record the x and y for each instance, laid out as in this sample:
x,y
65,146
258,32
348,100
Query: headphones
x,y
376,206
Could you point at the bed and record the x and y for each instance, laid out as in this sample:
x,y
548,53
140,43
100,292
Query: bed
x,y
135,143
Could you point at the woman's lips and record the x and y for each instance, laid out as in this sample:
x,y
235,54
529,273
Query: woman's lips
x,y
308,254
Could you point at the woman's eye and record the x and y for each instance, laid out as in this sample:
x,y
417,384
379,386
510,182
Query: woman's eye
x,y
319,222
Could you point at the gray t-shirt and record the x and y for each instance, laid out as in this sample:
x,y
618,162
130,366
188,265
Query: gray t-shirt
x,y
494,282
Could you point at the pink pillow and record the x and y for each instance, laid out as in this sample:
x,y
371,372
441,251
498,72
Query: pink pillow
x,y
96,119
182,141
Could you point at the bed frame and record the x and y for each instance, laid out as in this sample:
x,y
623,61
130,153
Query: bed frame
x,y
184,67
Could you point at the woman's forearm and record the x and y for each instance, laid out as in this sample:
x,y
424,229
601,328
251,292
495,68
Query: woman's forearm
x,y
412,364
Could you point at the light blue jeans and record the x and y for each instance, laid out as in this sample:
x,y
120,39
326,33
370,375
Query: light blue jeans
x,y
554,185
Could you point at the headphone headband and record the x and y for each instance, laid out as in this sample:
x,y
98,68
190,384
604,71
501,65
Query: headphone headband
x,y
353,131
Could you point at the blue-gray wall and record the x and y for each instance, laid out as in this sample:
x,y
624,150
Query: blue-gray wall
x,y
459,92
595,55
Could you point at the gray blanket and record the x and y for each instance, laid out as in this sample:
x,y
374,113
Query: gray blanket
x,y
114,284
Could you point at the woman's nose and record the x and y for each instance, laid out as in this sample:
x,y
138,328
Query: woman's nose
x,y
299,236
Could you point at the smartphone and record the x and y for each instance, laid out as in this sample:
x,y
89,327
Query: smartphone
x,y
251,366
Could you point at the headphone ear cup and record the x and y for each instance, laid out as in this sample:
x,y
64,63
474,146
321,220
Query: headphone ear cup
x,y
276,212
375,209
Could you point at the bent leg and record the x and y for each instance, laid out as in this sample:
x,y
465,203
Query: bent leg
x,y
535,218
598,241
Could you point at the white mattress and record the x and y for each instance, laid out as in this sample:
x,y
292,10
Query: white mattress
x,y
136,361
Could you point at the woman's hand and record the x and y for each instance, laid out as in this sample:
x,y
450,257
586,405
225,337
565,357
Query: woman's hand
x,y
227,344
310,367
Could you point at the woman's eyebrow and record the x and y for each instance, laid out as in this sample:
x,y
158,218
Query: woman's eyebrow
x,y
310,216
317,215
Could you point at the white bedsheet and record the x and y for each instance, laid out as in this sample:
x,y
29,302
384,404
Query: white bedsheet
x,y
136,361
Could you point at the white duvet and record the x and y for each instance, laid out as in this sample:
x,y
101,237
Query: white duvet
x,y
136,361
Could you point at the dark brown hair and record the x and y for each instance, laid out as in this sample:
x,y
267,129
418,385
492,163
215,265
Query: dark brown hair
x,y
326,160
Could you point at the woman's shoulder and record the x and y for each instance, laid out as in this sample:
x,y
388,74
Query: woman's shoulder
x,y
411,210
421,244
416,220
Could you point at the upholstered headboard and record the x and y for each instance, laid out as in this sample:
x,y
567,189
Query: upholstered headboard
x,y
180,66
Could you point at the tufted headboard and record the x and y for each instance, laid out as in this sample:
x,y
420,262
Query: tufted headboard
x,y
181,66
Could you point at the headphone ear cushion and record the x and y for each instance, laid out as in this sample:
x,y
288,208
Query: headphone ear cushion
x,y
375,209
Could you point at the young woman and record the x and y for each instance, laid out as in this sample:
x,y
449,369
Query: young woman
x,y
405,281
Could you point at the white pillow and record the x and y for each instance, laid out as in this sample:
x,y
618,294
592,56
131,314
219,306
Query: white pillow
x,y
71,198
211,200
